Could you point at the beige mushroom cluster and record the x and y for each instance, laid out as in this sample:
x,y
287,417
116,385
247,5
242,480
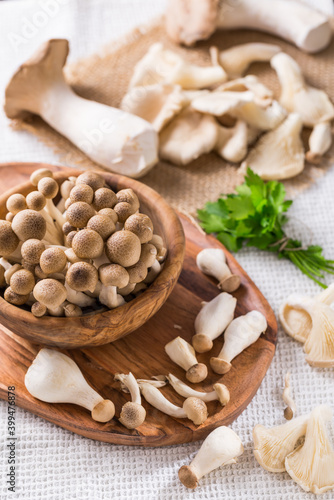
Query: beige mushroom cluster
x,y
91,247
219,109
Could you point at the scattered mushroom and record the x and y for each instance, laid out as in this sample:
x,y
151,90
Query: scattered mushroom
x,y
212,261
133,414
212,320
290,409
219,103
220,391
237,59
193,408
54,377
221,447
232,143
319,142
183,354
240,334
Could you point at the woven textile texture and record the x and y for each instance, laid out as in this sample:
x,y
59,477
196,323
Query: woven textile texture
x,y
54,464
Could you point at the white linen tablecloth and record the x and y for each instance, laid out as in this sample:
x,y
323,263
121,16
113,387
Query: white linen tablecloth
x,y
54,464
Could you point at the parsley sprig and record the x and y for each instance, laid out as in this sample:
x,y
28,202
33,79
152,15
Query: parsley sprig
x,y
256,216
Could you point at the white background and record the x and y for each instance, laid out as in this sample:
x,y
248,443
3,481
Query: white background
x,y
53,464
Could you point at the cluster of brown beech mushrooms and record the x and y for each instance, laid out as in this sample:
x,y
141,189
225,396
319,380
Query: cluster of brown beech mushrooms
x,y
94,247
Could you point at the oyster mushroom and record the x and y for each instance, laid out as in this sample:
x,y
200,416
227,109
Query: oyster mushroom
x,y
220,391
285,148
212,261
261,94
193,408
111,137
82,276
54,377
319,142
240,334
133,414
237,59
183,354
220,103
212,320
258,117
232,143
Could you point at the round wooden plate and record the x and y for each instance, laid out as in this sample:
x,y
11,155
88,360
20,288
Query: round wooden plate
x,y
142,352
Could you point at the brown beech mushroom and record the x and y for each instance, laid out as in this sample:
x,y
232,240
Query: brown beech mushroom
x,y
22,282
113,275
104,198
82,192
9,217
148,254
10,269
123,248
32,250
87,244
92,179
68,228
29,224
129,288
69,239
110,212
14,298
82,276
128,196
72,310
79,213
158,242
51,293
183,354
16,203
35,201
141,225
53,260
39,174
9,241
49,188
38,309
2,276
138,272
102,224
133,414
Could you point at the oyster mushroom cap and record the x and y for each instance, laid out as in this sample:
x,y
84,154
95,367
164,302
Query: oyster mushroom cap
x,y
50,293
15,203
319,345
87,244
82,276
53,260
79,213
29,224
9,241
220,103
123,248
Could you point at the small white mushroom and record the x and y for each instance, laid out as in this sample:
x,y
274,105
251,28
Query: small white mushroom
x,y
237,59
193,408
212,320
285,149
187,137
290,409
133,414
319,142
53,377
221,447
232,143
212,261
160,65
183,354
220,391
240,334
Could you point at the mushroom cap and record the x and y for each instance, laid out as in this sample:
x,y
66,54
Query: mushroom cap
x,y
113,275
67,228
102,224
82,192
36,201
201,343
123,211
230,284
127,289
123,248
29,224
132,415
39,174
53,260
2,277
222,392
141,225
103,411
82,276
220,366
22,282
197,373
66,188
68,203
188,477
69,238
138,272
196,410
79,213
50,293
32,250
16,203
110,212
38,309
39,273
87,244
8,239
128,196
9,216
72,311
148,254
48,187
14,298
104,198
92,179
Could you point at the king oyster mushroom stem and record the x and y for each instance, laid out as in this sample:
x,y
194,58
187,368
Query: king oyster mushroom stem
x,y
126,143
285,148
221,447
220,391
240,334
193,408
188,22
133,414
319,142
53,377
212,320
183,354
290,409
212,261
311,465
237,59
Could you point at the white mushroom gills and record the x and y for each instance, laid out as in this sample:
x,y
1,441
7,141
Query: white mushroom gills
x,y
212,261
54,377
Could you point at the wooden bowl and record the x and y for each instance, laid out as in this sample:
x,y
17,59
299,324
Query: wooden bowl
x,y
103,327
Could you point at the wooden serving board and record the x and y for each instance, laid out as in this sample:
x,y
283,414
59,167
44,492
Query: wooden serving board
x,y
142,352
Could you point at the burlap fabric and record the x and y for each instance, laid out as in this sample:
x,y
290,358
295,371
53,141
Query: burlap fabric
x,y
104,77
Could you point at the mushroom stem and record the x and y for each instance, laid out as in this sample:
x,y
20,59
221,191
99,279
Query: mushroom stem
x,y
212,261
55,213
78,298
133,413
290,410
320,141
220,392
183,354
